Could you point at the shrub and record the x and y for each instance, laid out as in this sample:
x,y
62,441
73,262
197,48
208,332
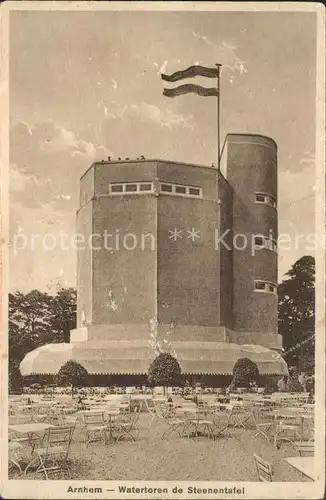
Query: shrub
x,y
245,372
270,385
293,384
310,385
15,379
164,371
73,374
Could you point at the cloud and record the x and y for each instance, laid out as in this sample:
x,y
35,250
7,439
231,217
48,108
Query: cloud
x,y
296,213
152,113
225,53
18,181
203,38
47,161
59,139
162,68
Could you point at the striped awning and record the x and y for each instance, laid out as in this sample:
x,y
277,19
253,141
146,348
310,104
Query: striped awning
x,y
135,357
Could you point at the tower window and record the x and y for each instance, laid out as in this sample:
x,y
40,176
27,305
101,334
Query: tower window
x,y
259,285
131,188
259,241
145,187
116,188
265,198
265,287
167,188
194,191
265,242
180,189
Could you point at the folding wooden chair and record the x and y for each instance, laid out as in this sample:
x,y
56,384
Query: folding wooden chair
x,y
94,427
203,425
154,411
221,422
241,414
151,411
175,422
55,416
127,425
287,430
264,469
53,456
40,414
264,422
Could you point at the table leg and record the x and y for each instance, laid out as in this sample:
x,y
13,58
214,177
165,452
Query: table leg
x,y
33,444
110,429
302,428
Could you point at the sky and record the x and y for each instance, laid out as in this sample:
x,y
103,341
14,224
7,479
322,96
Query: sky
x,y
86,85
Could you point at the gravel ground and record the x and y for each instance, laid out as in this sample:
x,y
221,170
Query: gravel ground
x,y
228,458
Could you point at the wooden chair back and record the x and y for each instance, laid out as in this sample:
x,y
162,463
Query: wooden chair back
x,y
264,469
58,437
94,418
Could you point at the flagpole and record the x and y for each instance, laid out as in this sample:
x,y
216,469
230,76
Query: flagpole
x,y
218,87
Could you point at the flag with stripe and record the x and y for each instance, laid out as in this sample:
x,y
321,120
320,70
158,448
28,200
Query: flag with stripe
x,y
190,73
190,88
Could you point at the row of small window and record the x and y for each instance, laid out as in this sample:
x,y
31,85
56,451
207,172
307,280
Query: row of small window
x,y
178,189
265,242
267,199
147,187
265,287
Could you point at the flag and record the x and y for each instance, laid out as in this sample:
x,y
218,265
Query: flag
x,y
191,72
190,89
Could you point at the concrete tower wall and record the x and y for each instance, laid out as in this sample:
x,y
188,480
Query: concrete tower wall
x,y
84,226
225,252
86,192
188,267
124,272
252,168
129,171
84,267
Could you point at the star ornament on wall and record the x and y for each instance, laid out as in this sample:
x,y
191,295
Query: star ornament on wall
x,y
175,234
193,234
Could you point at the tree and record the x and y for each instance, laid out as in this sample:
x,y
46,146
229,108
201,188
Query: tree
x,y
15,379
63,313
293,384
73,374
164,371
245,371
296,313
29,322
37,318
